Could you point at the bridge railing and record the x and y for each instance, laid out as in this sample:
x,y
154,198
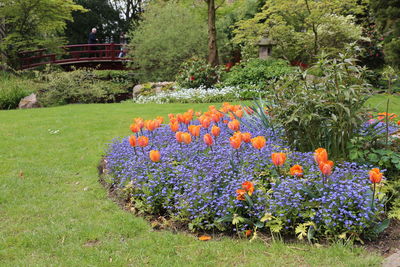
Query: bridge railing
x,y
71,54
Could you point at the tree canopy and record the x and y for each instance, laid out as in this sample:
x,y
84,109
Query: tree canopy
x,y
31,24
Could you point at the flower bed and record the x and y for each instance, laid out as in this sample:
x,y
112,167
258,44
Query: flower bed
x,y
213,172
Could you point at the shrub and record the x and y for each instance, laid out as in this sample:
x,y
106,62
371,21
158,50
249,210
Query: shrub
x,y
256,72
169,34
230,182
13,89
195,72
82,86
332,105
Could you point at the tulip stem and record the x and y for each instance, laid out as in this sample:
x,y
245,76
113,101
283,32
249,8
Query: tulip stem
x,y
373,196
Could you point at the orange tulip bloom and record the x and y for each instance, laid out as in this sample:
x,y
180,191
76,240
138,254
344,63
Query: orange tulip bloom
x,y
240,194
171,116
194,130
205,238
178,137
155,155
134,128
235,142
143,141
186,138
215,118
208,139
320,155
132,140
248,233
174,126
258,142
239,113
197,113
234,125
278,158
248,110
296,170
160,119
248,187
375,175
383,115
150,125
246,137
326,167
205,122
398,123
215,130
139,122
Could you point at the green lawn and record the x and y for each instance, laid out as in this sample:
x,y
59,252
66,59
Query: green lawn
x,y
53,212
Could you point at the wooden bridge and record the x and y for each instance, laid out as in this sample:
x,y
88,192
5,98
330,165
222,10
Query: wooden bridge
x,y
101,56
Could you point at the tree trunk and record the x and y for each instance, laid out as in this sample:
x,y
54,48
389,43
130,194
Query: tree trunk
x,y
212,34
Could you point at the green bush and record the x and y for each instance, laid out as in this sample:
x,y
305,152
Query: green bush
x,y
12,89
195,72
256,72
81,86
169,34
324,111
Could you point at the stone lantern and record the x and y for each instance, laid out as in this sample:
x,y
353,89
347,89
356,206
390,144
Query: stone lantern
x,y
265,47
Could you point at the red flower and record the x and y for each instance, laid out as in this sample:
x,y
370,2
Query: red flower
x,y
208,139
192,78
248,187
326,167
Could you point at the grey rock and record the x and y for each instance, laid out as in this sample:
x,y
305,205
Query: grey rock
x,y
29,101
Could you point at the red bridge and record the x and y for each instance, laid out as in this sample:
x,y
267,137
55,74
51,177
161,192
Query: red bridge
x,y
101,56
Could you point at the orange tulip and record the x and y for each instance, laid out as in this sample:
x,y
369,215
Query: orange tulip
x,y
143,141
326,167
132,140
197,113
150,125
278,158
205,122
178,137
215,130
186,138
194,130
296,170
375,175
398,123
205,238
240,194
239,113
208,139
174,126
134,128
234,125
215,118
248,110
248,233
320,155
248,187
258,142
246,137
155,155
235,142
171,116
160,119
139,122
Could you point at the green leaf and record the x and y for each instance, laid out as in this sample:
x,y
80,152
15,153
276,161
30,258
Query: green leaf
x,y
249,200
227,218
379,228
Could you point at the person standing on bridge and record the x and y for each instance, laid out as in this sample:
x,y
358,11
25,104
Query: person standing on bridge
x,y
92,39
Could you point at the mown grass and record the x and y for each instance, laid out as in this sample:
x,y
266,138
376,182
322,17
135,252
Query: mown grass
x,y
53,212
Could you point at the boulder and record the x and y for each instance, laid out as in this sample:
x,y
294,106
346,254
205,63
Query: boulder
x,y
29,101
151,88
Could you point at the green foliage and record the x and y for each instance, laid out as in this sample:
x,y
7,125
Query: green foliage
x,y
34,24
13,88
332,105
195,72
81,86
168,35
387,16
256,72
100,15
302,29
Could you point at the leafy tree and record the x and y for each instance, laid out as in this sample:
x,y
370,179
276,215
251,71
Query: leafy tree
x,y
130,11
31,24
100,15
303,28
168,35
387,16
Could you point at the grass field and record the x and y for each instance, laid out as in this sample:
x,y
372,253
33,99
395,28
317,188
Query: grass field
x,y
53,212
